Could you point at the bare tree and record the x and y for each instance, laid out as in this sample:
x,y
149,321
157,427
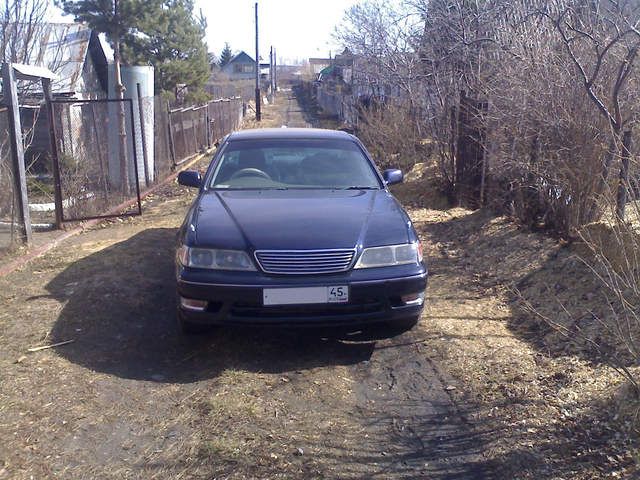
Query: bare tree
x,y
601,42
21,29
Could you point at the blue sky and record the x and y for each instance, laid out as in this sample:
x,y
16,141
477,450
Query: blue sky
x,y
298,29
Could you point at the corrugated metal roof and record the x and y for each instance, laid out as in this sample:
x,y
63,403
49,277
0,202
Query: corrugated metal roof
x,y
62,49
31,71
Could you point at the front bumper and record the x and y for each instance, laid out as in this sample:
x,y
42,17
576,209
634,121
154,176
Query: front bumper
x,y
370,301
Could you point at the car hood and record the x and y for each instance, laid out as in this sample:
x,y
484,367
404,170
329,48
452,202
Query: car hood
x,y
299,219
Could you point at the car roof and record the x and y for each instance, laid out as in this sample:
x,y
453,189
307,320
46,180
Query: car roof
x,y
289,133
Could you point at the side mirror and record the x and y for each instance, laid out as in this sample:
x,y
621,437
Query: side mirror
x,y
392,176
190,178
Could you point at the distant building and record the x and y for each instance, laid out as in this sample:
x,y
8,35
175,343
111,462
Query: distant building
x,y
323,66
319,64
240,67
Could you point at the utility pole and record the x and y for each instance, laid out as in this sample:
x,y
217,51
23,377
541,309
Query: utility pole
x,y
275,70
258,98
271,70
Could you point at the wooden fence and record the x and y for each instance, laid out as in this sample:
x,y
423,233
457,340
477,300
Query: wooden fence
x,y
192,130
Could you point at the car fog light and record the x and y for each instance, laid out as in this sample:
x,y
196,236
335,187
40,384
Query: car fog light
x,y
193,305
413,299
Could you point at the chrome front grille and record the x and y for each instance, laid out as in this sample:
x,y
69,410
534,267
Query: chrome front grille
x,y
304,262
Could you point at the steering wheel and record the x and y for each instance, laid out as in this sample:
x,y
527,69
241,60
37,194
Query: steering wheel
x,y
250,172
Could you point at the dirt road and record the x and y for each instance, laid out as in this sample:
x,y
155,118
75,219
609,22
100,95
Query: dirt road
x,y
130,397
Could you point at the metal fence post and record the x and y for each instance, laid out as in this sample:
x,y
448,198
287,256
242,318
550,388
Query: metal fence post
x,y
10,92
55,160
135,155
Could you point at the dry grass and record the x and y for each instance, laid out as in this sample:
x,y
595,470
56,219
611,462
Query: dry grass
x,y
270,117
556,403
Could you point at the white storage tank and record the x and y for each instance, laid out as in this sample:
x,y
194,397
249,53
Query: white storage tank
x,y
131,76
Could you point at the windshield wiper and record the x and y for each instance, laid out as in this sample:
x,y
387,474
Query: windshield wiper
x,y
355,187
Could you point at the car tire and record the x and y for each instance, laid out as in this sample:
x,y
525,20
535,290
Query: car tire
x,y
190,328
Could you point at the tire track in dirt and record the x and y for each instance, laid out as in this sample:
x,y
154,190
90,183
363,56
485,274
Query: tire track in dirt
x,y
411,427
294,117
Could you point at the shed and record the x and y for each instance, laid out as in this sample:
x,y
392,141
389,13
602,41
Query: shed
x,y
79,58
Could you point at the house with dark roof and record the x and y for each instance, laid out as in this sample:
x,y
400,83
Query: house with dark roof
x,y
240,67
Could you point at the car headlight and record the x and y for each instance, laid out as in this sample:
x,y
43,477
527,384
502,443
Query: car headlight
x,y
214,259
390,255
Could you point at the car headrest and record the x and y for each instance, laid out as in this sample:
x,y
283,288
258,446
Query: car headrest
x,y
252,159
320,163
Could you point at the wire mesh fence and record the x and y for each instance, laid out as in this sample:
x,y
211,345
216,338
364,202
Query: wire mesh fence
x,y
38,168
8,220
99,169
98,166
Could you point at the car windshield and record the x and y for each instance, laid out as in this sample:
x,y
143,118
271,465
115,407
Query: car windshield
x,y
293,163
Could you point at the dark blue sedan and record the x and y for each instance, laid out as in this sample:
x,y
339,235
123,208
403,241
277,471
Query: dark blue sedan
x,y
296,227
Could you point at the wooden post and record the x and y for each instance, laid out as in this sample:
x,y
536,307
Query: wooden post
x,y
207,120
10,91
258,96
143,136
172,147
55,159
194,125
185,147
271,72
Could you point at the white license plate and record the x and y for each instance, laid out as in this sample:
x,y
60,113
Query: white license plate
x,y
305,295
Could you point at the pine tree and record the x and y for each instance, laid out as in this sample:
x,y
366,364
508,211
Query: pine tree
x,y
226,55
213,60
173,42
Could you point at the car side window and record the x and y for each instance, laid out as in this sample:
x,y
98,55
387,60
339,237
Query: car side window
x,y
228,166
